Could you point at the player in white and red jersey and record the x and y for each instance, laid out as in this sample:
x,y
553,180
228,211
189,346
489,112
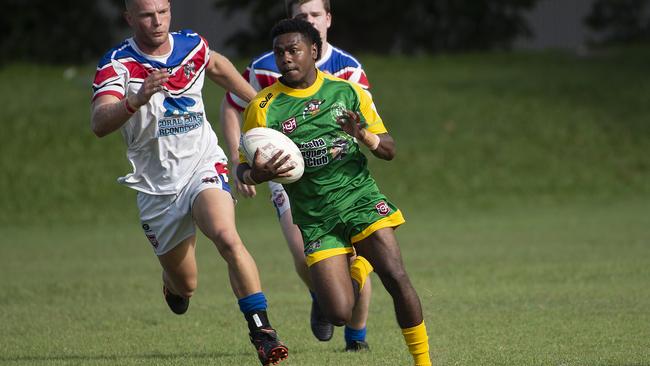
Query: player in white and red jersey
x,y
263,72
149,88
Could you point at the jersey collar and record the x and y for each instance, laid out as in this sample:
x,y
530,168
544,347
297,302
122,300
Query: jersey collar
x,y
324,57
303,93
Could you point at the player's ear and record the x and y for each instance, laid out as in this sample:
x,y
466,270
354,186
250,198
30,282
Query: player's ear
x,y
314,51
127,17
328,20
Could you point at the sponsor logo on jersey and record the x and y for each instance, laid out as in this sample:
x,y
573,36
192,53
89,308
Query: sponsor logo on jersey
x,y
382,208
312,107
214,179
312,247
178,119
289,125
314,152
266,100
150,235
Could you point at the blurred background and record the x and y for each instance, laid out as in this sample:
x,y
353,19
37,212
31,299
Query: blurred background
x,y
83,30
526,98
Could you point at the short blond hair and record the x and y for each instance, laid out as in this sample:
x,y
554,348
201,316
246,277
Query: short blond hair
x,y
291,3
127,3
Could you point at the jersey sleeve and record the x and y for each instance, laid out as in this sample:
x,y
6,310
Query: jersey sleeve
x,y
235,101
255,116
357,75
258,78
110,79
369,114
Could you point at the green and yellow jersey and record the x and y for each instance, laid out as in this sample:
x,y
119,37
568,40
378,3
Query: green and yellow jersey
x,y
336,174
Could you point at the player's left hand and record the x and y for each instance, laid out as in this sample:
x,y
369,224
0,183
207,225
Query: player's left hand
x,y
350,122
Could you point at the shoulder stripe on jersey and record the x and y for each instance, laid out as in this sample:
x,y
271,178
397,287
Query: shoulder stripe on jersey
x,y
265,62
347,55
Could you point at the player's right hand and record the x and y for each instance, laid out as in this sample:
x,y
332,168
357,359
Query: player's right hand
x,y
152,84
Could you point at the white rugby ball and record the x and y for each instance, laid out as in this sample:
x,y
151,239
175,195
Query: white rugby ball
x,y
270,141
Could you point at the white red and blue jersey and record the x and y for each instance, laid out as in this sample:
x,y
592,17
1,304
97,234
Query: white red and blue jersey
x,y
263,71
170,136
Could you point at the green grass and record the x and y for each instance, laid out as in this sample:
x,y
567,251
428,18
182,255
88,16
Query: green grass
x,y
517,286
525,180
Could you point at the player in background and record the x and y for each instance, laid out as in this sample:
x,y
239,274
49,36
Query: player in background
x,y
260,73
149,88
336,203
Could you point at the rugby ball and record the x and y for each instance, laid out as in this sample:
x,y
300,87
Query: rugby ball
x,y
270,141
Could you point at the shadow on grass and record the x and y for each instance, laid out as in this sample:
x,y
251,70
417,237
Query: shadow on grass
x,y
150,356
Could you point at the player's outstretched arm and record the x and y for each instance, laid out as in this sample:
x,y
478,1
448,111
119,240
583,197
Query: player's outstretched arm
x,y
223,72
381,145
109,113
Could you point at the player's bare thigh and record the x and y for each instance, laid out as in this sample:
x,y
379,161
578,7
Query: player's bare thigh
x,y
214,213
333,285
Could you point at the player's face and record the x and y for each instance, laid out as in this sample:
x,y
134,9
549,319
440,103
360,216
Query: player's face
x,y
314,12
295,58
150,20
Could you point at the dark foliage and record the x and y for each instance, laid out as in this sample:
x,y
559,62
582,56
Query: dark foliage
x,y
407,26
64,31
620,20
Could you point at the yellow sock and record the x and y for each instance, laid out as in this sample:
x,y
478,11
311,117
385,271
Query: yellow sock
x,y
359,270
418,342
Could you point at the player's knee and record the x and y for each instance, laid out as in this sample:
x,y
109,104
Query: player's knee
x,y
187,292
186,287
339,317
226,240
393,278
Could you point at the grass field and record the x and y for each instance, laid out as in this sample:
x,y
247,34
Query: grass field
x,y
525,179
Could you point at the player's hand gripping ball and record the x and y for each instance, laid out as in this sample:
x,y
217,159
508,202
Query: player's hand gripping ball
x,y
269,142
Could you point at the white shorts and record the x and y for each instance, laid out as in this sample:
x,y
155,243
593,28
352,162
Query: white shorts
x,y
279,198
167,219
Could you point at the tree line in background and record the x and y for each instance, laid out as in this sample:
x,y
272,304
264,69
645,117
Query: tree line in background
x,y
78,31
403,27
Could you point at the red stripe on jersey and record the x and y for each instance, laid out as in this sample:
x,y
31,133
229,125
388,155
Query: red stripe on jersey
x,y
136,70
108,92
363,80
232,103
104,74
180,79
265,80
246,74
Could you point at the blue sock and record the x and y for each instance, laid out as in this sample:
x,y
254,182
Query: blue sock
x,y
313,295
354,334
254,309
250,303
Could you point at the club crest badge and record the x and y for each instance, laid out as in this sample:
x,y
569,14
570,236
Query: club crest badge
x,y
289,125
312,107
189,69
382,208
